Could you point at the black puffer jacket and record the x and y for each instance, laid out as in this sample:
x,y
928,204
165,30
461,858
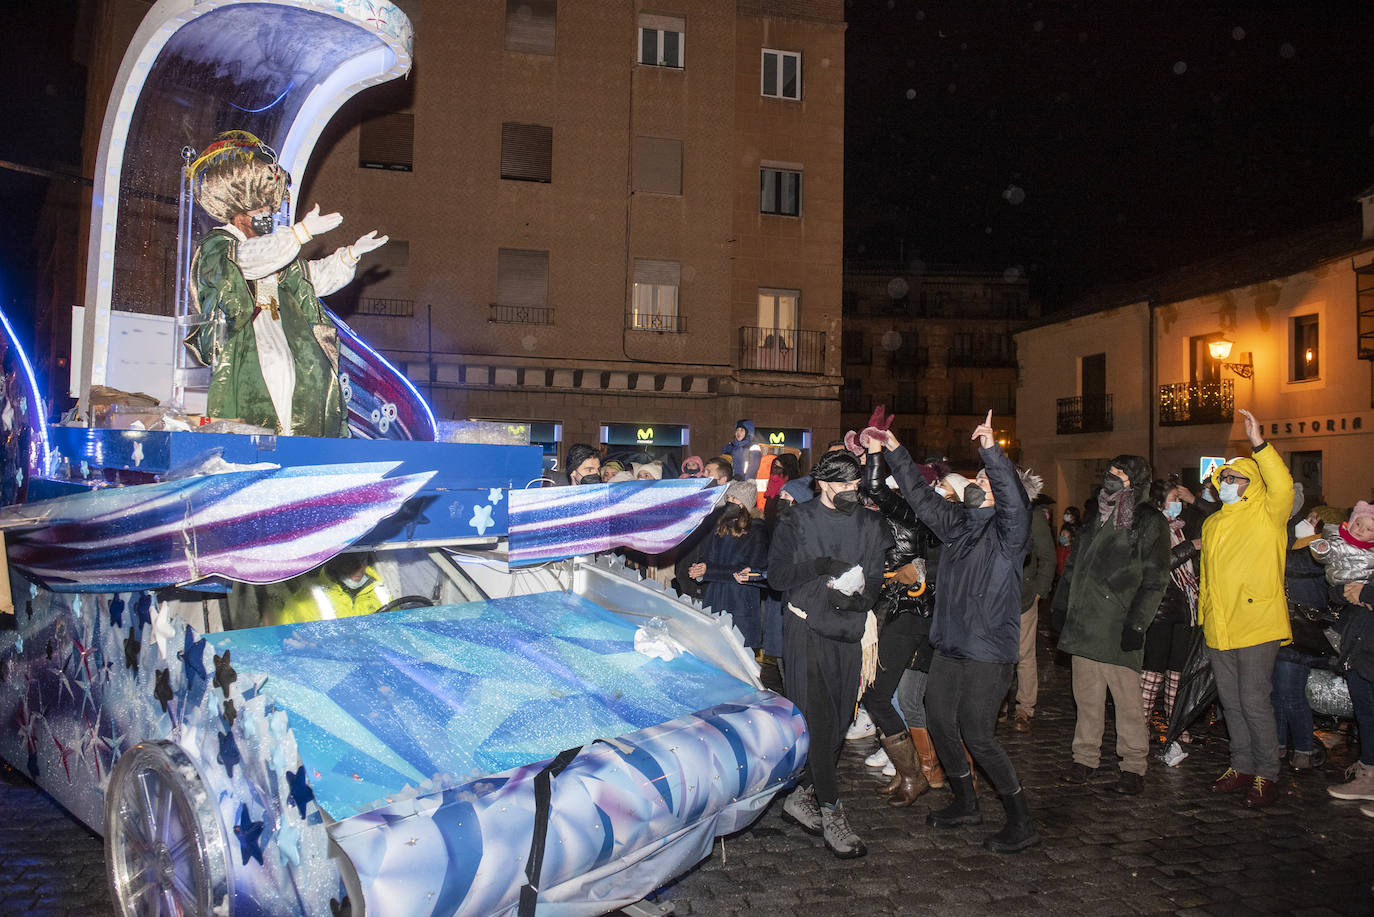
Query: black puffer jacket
x,y
978,605
911,539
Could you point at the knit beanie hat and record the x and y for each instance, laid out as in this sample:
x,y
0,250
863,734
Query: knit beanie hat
x,y
1361,509
800,489
743,491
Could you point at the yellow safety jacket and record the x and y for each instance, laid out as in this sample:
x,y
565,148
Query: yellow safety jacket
x,y
323,598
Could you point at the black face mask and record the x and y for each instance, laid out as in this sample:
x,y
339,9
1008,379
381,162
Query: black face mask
x,y
847,501
974,496
1112,484
263,224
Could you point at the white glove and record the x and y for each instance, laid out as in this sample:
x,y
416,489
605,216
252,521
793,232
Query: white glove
x,y
314,223
367,243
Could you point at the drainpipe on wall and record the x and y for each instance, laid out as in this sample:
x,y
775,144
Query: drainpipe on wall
x,y
1151,391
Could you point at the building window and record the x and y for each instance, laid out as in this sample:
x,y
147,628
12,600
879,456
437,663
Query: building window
x,y
386,140
780,191
656,296
530,25
522,280
852,345
781,74
661,40
1306,348
658,165
526,152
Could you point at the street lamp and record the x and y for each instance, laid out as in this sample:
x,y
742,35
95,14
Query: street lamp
x,y
1221,349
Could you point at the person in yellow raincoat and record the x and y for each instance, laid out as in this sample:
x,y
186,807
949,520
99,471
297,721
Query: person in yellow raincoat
x,y
345,586
1243,610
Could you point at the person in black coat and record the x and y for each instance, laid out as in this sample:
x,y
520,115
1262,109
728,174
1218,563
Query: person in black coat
x,y
732,564
815,544
976,629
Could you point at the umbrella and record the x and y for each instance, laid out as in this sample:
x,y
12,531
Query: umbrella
x,y
1197,689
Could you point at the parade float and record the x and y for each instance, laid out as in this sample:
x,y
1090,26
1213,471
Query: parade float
x,y
528,727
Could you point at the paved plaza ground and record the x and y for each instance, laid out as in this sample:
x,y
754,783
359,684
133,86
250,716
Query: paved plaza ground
x,y
1175,849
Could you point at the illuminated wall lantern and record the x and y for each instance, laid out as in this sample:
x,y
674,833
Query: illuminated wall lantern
x,y
1221,349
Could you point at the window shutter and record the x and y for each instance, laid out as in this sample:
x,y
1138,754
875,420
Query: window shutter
x,y
658,165
522,277
527,152
530,25
659,272
387,141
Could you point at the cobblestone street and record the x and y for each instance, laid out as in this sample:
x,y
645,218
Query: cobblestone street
x,y
1175,849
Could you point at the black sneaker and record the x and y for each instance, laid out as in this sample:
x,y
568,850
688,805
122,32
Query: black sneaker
x,y
1130,784
1078,773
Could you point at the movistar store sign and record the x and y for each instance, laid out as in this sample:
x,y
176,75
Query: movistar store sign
x,y
643,434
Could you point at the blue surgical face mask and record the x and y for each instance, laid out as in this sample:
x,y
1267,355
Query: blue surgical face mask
x,y
1173,508
1228,493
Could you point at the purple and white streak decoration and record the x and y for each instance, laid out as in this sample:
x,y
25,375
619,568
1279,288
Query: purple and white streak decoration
x,y
555,523
256,526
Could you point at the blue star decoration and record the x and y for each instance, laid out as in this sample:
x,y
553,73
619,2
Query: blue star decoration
x,y
117,612
289,845
301,793
230,714
481,519
229,755
144,610
494,495
224,672
163,690
131,648
250,836
194,656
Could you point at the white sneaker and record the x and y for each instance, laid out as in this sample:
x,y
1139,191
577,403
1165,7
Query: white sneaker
x,y
878,758
890,770
862,727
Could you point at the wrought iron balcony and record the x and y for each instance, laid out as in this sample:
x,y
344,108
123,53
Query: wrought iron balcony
x,y
644,321
1084,414
1183,403
785,350
396,308
521,315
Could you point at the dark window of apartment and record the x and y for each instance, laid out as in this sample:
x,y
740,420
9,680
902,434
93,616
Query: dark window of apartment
x,y
963,345
658,165
530,25
1202,366
1306,355
780,191
386,140
526,152
781,74
660,40
852,342
522,277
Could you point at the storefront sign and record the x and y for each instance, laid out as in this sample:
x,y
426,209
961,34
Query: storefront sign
x,y
1320,425
643,434
783,436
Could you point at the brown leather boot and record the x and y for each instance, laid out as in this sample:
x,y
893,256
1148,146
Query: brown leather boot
x,y
930,762
913,783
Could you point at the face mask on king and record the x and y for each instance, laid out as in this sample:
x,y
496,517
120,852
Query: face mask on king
x,y
846,501
974,496
262,224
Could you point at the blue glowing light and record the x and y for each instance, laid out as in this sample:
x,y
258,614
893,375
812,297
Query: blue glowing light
x,y
40,428
253,111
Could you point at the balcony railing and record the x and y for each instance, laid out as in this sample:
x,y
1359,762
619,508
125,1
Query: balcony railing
x,y
643,321
1084,414
785,350
397,308
1183,403
521,315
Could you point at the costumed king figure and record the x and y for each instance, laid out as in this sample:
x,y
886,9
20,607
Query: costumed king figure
x,y
275,360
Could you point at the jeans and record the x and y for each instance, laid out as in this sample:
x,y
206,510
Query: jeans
x,y
1362,695
961,704
1291,711
911,696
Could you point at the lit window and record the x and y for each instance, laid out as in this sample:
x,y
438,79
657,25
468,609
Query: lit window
x,y
780,191
655,296
661,40
781,74
1306,348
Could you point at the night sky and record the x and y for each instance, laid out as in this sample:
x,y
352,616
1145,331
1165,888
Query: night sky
x,y
1082,143
1072,141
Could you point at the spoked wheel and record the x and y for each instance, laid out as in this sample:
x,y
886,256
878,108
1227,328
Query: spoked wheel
x,y
165,851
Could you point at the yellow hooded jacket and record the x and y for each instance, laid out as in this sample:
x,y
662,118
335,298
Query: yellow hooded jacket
x,y
320,597
1241,601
